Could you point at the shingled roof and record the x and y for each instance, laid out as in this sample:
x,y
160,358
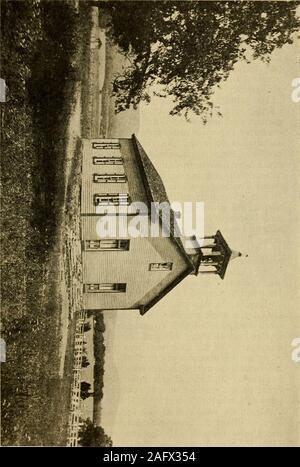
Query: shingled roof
x,y
156,193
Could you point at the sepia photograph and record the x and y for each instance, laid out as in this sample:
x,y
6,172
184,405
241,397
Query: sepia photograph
x,y
150,225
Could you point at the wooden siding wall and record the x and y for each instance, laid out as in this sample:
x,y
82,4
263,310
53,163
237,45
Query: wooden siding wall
x,y
134,185
130,267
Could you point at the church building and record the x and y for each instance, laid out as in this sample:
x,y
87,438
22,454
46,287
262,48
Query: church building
x,y
134,273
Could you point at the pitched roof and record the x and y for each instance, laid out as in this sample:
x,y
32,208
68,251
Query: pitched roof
x,y
156,193
229,254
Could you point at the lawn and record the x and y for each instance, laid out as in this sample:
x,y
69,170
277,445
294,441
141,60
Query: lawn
x,y
41,57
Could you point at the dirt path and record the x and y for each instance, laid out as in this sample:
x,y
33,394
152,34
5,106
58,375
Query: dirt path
x,y
71,262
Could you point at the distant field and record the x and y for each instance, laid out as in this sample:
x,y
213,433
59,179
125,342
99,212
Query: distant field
x,y
41,58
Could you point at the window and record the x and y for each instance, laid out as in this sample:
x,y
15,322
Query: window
x,y
107,244
105,288
110,178
114,199
106,145
108,160
160,266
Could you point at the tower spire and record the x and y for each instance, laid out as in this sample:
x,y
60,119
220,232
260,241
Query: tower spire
x,y
216,254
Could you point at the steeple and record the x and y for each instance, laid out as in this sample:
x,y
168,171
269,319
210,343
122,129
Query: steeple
x,y
216,255
211,254
234,254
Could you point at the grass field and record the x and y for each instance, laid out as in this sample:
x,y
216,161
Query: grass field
x,y
41,58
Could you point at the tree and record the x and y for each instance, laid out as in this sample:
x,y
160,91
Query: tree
x,y
187,49
85,361
91,435
84,348
85,390
86,327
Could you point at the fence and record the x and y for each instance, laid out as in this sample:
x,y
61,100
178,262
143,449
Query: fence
x,y
75,422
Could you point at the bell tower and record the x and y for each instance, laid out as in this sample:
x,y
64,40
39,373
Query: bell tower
x,y
215,255
210,254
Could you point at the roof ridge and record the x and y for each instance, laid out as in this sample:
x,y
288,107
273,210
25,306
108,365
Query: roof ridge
x,y
155,188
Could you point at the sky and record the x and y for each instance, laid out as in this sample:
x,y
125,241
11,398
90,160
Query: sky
x,y
210,364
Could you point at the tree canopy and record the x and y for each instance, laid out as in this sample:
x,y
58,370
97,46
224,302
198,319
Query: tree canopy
x,y
86,327
186,49
85,362
91,435
85,390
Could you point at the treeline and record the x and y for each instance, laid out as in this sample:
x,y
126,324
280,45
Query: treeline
x,y
99,356
92,435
